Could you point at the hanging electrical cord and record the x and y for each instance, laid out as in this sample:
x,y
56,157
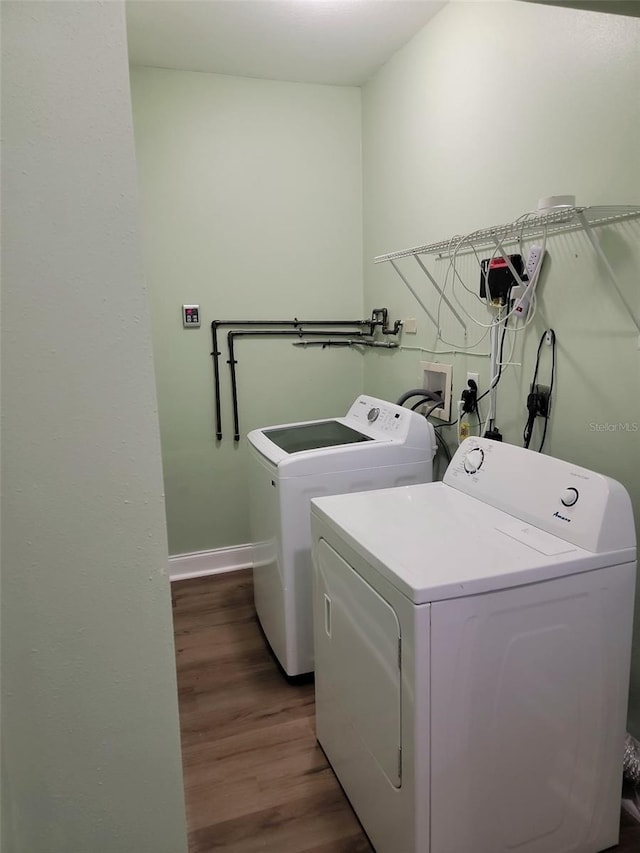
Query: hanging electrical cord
x,y
479,416
452,275
508,270
461,347
538,399
452,270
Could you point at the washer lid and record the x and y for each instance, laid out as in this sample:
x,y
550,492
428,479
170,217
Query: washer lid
x,y
433,542
311,436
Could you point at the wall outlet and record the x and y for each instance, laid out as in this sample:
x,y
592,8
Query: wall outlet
x,y
410,326
438,379
469,395
534,260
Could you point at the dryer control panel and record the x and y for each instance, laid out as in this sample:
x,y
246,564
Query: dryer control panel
x,y
573,503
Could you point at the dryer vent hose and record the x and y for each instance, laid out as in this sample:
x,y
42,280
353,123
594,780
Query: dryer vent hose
x,y
632,760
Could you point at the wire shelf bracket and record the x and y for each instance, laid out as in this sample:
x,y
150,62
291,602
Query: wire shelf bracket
x,y
554,222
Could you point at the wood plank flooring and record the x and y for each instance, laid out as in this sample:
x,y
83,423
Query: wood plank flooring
x,y
255,779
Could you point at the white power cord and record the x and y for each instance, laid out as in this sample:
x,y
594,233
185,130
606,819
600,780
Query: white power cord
x,y
452,275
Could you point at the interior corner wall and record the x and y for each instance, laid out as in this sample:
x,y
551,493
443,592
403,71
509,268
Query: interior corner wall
x,y
252,203
90,735
492,106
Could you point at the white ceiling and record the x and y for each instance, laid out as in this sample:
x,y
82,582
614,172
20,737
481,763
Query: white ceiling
x,y
306,41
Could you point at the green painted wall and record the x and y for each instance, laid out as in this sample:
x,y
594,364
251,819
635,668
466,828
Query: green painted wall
x,y
90,736
490,107
252,196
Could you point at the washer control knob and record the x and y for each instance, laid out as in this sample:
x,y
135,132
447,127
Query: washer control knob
x,y
473,460
569,497
372,415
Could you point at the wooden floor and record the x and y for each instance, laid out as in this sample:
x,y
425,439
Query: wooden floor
x,y
255,779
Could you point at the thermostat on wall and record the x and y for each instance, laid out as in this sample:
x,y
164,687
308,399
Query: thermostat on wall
x,y
190,316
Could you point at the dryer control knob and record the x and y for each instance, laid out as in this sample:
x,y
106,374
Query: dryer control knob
x,y
473,460
569,497
373,415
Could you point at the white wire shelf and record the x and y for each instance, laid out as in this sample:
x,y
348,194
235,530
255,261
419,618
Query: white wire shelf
x,y
555,222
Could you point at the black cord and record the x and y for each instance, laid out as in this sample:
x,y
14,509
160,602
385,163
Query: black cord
x,y
532,405
443,445
528,428
448,423
553,373
533,396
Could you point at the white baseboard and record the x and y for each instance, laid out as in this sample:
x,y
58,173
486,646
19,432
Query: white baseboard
x,y
203,563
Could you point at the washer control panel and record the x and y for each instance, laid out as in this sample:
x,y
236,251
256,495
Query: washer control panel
x,y
380,416
573,503
373,414
382,420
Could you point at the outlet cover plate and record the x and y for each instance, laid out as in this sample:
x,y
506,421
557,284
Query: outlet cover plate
x,y
191,316
438,377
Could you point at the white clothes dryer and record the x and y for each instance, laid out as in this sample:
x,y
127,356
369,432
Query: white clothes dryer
x,y
472,646
376,445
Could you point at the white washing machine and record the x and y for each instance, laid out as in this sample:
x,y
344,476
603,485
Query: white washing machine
x,y
472,642
376,445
